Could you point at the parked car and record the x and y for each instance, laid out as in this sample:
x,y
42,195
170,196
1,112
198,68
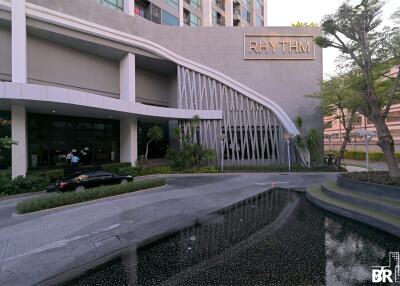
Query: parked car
x,y
83,181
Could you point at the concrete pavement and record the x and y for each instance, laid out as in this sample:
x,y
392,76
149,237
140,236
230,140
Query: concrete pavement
x,y
40,246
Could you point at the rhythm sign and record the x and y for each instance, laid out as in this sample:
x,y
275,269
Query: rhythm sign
x,y
275,47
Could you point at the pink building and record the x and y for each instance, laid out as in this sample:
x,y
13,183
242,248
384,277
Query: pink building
x,y
334,131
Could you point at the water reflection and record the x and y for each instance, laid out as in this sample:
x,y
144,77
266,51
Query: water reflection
x,y
277,238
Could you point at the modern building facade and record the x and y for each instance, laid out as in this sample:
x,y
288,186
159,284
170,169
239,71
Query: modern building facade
x,y
195,12
75,75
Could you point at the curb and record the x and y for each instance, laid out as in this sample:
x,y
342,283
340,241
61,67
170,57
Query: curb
x,y
353,215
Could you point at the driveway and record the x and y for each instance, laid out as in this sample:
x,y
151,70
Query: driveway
x,y
36,247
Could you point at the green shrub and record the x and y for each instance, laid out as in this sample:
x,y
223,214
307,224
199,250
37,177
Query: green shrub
x,y
22,185
114,167
133,171
376,177
360,155
51,175
62,199
137,171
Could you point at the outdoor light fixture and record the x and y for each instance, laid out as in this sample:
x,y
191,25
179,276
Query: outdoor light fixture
x,y
287,136
368,136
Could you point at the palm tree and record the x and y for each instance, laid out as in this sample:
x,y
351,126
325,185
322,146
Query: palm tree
x,y
155,133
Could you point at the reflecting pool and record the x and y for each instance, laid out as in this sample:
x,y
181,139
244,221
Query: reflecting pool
x,y
276,238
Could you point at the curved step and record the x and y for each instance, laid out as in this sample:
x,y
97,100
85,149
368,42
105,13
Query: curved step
x,y
383,205
373,218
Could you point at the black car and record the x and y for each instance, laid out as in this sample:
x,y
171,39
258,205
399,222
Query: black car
x,y
87,180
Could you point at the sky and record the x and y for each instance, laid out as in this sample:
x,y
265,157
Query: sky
x,y
286,12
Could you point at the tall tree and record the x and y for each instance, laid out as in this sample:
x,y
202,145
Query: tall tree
x,y
155,134
372,51
340,101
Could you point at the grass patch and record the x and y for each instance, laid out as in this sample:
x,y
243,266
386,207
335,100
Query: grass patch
x,y
375,177
63,199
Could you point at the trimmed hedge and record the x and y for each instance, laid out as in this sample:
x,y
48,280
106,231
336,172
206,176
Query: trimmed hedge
x,y
360,155
62,199
137,171
22,185
51,175
376,177
114,167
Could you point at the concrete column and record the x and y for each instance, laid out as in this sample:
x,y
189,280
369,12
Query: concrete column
x,y
265,12
19,152
127,77
128,126
18,41
128,140
129,7
253,11
181,13
207,12
228,13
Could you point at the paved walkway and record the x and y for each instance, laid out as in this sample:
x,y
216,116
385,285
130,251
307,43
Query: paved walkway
x,y
37,246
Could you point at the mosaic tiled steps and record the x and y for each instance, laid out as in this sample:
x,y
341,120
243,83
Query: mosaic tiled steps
x,y
377,211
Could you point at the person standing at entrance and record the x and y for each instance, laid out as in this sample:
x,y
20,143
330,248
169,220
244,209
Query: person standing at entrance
x,y
74,161
69,158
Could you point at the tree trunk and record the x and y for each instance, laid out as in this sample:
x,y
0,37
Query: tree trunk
x,y
147,149
343,148
386,142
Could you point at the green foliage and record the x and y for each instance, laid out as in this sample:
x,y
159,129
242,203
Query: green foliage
x,y
62,199
155,134
304,24
20,185
190,154
313,141
6,143
360,155
376,177
137,171
114,167
299,122
310,141
51,175
370,52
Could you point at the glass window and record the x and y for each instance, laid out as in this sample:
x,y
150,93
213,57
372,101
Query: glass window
x,y
173,3
169,19
196,4
258,21
113,4
246,15
194,20
155,14
217,18
246,3
51,138
393,116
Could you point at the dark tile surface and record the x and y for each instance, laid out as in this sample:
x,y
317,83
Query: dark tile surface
x,y
277,238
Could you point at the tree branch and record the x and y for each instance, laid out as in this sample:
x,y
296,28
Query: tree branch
x,y
392,93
